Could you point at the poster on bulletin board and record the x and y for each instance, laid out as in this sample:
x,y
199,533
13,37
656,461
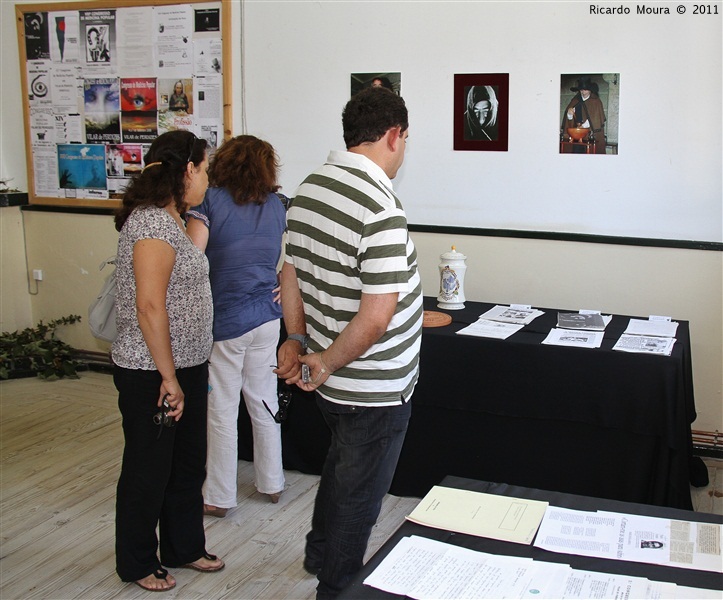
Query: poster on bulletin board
x,y
101,82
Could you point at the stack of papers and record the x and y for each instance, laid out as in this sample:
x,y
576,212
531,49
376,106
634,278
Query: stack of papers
x,y
582,329
426,569
655,336
500,322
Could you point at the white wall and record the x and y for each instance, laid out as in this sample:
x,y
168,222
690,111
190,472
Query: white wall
x,y
665,182
303,122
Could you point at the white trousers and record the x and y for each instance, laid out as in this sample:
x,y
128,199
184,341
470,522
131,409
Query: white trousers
x,y
243,364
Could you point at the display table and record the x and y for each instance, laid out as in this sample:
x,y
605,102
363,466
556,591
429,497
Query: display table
x,y
596,422
687,577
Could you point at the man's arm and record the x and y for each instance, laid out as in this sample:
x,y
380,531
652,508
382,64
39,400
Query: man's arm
x,y
363,331
295,322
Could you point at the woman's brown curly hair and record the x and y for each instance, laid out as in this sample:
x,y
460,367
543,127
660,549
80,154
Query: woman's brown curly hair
x,y
247,167
164,179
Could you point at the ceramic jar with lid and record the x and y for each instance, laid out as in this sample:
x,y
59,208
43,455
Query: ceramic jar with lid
x,y
451,280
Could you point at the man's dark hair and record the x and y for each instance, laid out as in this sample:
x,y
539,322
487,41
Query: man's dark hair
x,y
370,114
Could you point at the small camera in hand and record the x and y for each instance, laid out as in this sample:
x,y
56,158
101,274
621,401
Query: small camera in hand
x,y
305,373
162,417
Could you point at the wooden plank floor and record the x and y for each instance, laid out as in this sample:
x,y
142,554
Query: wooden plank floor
x,y
61,445
60,452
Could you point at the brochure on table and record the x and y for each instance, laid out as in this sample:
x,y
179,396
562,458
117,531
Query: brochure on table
x,y
486,515
654,336
500,322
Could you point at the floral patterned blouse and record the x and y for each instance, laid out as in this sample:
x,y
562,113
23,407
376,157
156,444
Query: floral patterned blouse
x,y
188,300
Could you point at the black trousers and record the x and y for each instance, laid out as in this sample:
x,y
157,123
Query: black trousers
x,y
161,477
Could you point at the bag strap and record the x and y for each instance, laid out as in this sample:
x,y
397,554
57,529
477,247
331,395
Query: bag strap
x,y
285,200
107,261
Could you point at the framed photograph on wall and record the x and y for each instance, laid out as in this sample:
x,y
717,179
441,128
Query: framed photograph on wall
x,y
589,113
390,80
481,111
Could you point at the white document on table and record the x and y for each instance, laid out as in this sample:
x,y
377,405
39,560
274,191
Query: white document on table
x,y
637,538
578,338
426,569
591,584
645,344
475,513
683,544
684,592
521,315
490,329
655,327
578,532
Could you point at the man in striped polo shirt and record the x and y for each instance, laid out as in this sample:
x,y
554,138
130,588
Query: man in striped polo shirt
x,y
352,293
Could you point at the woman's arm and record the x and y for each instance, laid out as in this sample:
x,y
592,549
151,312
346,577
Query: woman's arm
x,y
153,262
198,232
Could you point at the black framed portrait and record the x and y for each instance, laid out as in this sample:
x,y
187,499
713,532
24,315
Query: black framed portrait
x,y
390,80
481,111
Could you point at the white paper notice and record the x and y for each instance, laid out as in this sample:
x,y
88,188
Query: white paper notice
x,y
173,27
135,45
568,337
208,54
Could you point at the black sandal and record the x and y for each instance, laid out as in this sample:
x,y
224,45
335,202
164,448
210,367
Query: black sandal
x,y
207,556
159,573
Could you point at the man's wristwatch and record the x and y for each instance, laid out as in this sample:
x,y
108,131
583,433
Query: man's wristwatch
x,y
303,339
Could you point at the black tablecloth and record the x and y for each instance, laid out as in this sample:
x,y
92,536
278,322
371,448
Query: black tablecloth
x,y
594,422
687,577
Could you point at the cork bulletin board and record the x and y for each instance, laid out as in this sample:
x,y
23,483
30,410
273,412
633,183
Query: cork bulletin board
x,y
100,82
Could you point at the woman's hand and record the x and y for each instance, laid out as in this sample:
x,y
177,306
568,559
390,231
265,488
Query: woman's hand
x,y
277,294
171,390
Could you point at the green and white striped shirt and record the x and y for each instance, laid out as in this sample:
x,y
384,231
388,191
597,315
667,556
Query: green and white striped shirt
x,y
347,236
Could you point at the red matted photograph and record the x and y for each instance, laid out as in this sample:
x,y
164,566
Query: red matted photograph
x,y
481,111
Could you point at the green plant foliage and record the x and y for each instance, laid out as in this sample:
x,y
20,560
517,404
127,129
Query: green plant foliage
x,y
37,350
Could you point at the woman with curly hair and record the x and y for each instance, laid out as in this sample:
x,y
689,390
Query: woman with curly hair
x,y
160,355
240,226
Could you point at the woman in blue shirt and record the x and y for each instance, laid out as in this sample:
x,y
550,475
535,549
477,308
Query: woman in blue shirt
x,y
240,225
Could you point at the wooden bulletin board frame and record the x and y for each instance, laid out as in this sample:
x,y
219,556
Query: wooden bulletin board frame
x,y
42,160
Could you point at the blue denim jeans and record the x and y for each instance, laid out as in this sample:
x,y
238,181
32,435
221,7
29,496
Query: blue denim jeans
x,y
362,458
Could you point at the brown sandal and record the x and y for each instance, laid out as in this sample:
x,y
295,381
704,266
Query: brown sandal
x,y
214,511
